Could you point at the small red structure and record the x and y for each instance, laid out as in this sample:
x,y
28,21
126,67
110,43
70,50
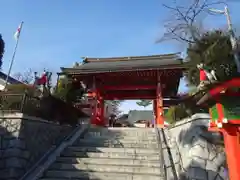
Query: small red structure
x,y
129,78
224,99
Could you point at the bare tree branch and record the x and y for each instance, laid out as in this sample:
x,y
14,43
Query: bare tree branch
x,y
185,22
26,77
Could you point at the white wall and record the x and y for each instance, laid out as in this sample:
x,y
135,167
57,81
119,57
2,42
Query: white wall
x,y
1,87
139,125
2,83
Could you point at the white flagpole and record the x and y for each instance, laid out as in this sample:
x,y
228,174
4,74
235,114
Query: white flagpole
x,y
13,56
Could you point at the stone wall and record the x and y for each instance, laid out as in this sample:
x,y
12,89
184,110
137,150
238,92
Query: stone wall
x,y
197,153
24,140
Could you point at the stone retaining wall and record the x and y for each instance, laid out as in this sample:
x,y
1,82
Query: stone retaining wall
x,y
195,151
24,140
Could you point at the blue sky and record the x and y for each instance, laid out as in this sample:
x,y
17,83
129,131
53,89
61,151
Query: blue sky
x,y
57,33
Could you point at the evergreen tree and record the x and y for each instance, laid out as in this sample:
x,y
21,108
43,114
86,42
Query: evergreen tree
x,y
115,106
65,86
215,51
2,47
144,103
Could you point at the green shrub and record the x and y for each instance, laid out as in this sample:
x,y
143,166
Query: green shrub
x,y
21,89
11,102
13,98
175,113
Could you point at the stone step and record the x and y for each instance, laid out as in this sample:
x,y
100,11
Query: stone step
x,y
129,137
107,161
95,143
115,150
120,129
122,138
133,136
100,141
116,139
111,155
81,178
121,133
81,175
106,168
135,132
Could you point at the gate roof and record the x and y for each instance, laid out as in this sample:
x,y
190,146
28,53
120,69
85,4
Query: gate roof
x,y
121,64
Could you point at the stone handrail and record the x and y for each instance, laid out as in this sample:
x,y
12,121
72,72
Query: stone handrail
x,y
163,140
161,163
195,117
50,156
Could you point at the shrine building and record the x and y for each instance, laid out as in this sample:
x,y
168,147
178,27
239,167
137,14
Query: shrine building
x,y
154,77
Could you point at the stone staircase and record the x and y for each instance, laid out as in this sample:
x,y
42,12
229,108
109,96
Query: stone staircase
x,y
110,154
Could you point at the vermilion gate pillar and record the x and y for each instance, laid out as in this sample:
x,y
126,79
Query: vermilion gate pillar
x,y
225,118
158,105
98,117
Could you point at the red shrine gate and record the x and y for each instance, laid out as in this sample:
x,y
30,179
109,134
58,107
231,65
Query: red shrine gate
x,y
129,78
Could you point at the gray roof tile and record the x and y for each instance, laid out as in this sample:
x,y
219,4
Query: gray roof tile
x,y
93,65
